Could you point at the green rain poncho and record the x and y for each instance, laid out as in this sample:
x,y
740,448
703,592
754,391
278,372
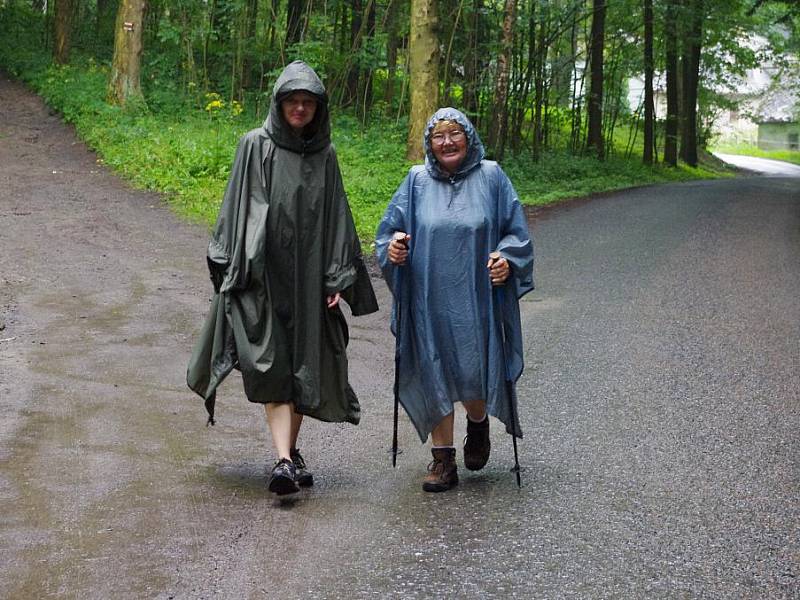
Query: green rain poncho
x,y
284,240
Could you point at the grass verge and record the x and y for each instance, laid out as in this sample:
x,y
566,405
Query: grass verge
x,y
186,151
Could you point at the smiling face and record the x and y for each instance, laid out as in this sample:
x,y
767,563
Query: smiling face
x,y
298,110
449,145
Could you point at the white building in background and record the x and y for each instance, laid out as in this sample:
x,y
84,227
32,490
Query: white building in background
x,y
778,115
767,105
767,102
636,95
738,124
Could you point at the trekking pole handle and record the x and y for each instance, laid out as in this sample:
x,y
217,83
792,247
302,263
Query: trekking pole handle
x,y
401,237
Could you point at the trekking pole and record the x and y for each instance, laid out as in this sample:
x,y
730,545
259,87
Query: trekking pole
x,y
401,237
498,295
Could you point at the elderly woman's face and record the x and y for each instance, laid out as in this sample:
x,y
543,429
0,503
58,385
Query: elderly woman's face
x,y
299,109
449,145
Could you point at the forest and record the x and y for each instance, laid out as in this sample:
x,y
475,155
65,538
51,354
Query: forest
x,y
548,83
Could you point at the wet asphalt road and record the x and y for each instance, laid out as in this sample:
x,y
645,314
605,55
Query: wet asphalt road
x,y
661,406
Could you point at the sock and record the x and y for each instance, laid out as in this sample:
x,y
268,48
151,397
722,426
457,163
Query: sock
x,y
481,420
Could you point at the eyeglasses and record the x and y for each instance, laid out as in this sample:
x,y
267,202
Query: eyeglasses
x,y
454,136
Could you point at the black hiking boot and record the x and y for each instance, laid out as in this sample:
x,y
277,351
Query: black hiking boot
x,y
303,478
282,481
477,444
442,471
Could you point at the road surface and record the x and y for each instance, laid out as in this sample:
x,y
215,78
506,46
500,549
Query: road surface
x,y
661,405
763,166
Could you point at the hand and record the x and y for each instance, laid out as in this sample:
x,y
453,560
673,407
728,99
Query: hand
x,y
499,269
398,248
332,300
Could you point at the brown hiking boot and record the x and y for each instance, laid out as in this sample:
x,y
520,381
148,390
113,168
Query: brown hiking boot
x,y
477,445
442,471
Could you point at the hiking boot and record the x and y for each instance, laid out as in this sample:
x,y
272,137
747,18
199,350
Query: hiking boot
x,y
476,444
303,478
442,471
282,481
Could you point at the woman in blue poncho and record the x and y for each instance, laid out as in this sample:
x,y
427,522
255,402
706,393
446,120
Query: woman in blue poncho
x,y
433,245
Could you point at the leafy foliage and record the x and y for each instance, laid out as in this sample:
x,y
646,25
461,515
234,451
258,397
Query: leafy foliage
x,y
182,143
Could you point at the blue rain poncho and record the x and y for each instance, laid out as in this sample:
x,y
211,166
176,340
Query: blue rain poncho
x,y
451,323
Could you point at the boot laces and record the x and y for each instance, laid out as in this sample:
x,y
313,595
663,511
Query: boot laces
x,y
297,459
435,466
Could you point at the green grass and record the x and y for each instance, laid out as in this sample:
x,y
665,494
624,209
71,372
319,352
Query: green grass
x,y
561,176
180,149
790,156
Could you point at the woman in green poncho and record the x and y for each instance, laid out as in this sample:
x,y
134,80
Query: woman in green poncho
x,y
283,253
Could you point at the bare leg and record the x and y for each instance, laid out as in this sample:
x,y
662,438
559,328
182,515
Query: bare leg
x,y
297,420
476,409
279,420
442,434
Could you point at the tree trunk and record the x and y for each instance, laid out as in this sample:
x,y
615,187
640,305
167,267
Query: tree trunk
x,y
294,21
649,116
392,44
594,138
613,91
577,96
691,75
344,28
63,24
448,57
526,82
272,20
497,130
354,63
186,43
124,83
471,69
540,58
424,72
671,51
212,9
101,21
365,80
250,43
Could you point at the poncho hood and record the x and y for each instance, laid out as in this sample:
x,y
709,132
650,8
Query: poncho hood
x,y
299,77
475,151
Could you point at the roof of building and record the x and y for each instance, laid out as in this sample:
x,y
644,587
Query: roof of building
x,y
780,103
